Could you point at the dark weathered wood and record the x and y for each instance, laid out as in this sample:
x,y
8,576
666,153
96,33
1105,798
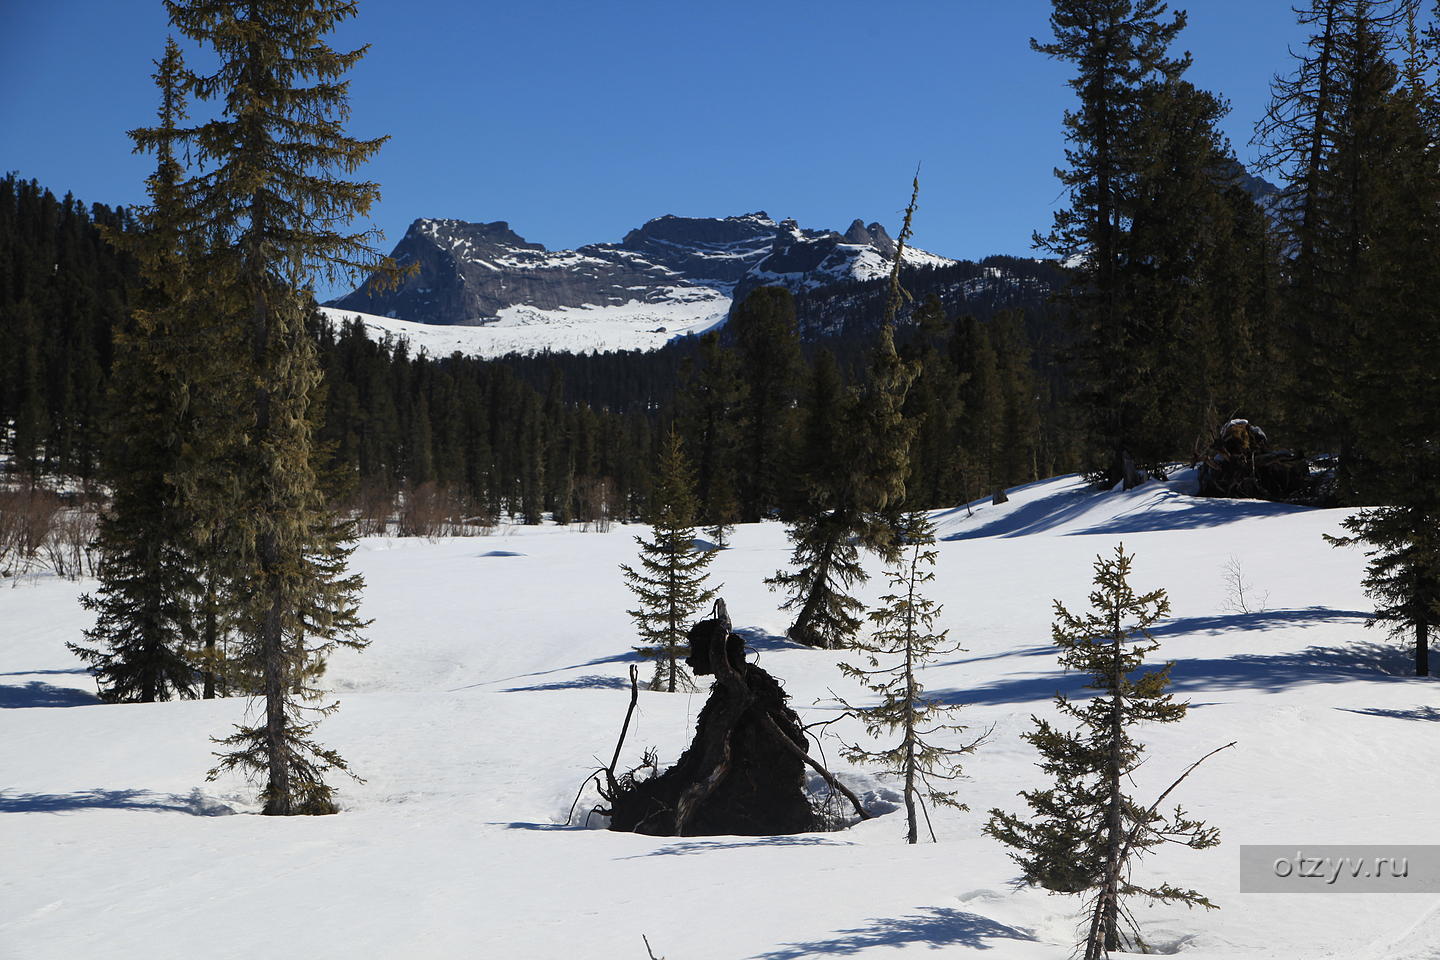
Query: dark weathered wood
x,y
813,764
715,751
625,727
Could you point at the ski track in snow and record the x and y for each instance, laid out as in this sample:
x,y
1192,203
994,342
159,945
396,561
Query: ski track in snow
x,y
496,678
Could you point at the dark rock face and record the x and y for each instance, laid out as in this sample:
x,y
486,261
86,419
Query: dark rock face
x,y
469,272
873,236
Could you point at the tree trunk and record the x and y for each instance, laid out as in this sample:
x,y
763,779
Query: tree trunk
x,y
1422,647
1113,827
278,799
800,632
211,628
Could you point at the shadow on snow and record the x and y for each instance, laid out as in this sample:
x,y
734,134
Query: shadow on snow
x,y
1415,713
587,682
1269,673
685,848
934,927
38,693
1164,509
196,804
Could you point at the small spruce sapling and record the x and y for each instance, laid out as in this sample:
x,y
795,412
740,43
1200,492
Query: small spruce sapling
x,y
670,584
906,638
1085,832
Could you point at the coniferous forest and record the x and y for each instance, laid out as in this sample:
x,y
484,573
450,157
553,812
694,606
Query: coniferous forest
x,y
186,431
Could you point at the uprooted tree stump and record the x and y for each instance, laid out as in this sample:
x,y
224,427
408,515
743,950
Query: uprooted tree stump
x,y
744,773
1240,463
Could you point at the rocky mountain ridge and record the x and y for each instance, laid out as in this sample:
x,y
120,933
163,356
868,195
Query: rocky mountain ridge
x,y
487,274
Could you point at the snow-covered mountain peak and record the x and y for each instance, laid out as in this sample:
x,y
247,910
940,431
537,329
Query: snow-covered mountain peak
x,y
670,276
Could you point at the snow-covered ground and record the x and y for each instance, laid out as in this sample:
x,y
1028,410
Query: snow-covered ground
x,y
496,678
590,329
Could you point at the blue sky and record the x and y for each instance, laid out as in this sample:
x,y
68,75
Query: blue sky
x,y
577,121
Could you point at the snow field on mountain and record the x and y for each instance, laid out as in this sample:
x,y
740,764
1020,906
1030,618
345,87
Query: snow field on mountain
x,y
496,678
526,330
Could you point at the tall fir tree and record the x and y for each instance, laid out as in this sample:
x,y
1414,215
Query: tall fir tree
x,y
906,638
766,340
1325,131
1397,453
670,584
855,462
146,630
272,200
708,408
1119,49
1086,831
1194,276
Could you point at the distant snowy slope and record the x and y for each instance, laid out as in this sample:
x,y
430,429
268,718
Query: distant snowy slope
x,y
526,330
496,677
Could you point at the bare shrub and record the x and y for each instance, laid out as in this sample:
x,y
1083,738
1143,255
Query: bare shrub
x,y
373,508
594,503
1240,594
69,547
27,515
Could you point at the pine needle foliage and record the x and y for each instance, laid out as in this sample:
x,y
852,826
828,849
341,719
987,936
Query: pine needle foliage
x,y
670,584
903,641
1403,572
171,421
271,200
855,455
1084,833
142,605
1396,456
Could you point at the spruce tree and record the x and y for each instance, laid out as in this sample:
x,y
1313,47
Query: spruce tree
x,y
272,200
670,584
1119,48
1329,133
768,345
1085,831
709,406
146,604
1394,388
826,555
1193,270
856,456
906,638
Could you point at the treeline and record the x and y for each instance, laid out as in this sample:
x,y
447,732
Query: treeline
x,y
63,290
563,436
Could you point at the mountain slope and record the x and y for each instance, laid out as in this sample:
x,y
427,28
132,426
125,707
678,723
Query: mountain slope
x,y
671,277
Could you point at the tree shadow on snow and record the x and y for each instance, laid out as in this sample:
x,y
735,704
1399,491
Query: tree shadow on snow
x,y
1415,713
69,671
588,682
1268,673
1260,620
1180,512
760,641
685,848
38,693
934,927
628,656
196,804
755,638
1047,649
